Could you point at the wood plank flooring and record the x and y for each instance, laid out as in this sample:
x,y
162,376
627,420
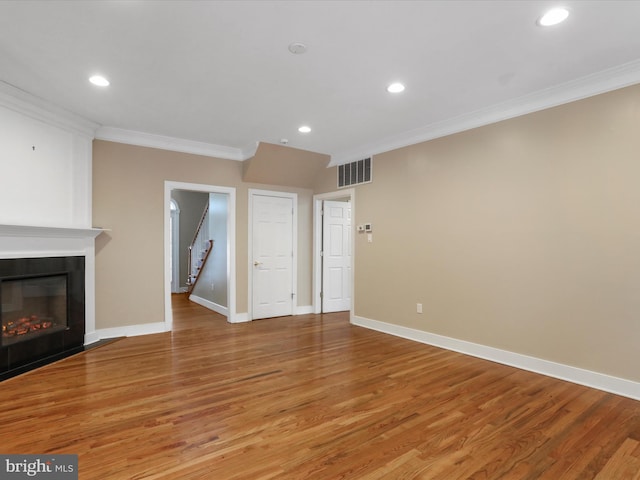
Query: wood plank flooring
x,y
310,397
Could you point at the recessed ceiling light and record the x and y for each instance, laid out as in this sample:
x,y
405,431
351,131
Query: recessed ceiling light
x,y
304,129
553,17
99,80
395,88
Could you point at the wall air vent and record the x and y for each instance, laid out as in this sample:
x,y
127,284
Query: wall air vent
x,y
354,173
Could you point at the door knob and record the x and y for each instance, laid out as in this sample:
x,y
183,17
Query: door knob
x,y
256,263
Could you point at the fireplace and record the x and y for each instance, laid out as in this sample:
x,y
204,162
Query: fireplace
x,y
42,311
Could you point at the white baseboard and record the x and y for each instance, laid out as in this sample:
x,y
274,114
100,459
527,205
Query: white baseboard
x,y
239,318
303,310
210,305
91,337
244,317
607,383
236,318
128,331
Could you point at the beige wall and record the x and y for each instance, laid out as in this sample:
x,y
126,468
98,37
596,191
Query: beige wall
x,y
128,196
522,235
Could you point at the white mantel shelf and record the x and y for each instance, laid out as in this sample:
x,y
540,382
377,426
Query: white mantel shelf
x,y
51,232
34,241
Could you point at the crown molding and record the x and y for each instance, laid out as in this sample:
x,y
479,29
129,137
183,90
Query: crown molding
x,y
142,139
250,151
29,105
584,87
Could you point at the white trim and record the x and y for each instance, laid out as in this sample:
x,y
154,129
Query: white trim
x,y
89,287
127,331
316,281
607,383
82,180
175,242
294,273
210,305
588,86
42,253
26,104
241,318
231,245
303,310
48,232
91,337
142,139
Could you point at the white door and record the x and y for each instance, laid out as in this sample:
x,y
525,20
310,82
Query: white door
x,y
272,255
336,256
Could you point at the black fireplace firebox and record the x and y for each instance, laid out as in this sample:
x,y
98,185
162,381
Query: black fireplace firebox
x,y
42,311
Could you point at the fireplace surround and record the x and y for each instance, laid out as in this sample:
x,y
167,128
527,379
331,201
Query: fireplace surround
x,y
67,251
42,311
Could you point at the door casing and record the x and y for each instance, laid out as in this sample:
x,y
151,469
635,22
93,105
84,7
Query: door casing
x,y
347,193
231,242
175,246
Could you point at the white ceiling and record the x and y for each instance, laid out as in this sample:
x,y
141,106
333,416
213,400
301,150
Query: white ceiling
x,y
220,73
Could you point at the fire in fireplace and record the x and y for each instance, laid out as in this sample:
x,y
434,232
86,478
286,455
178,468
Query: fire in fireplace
x,y
32,305
42,311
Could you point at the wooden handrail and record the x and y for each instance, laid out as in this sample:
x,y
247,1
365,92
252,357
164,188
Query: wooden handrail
x,y
201,266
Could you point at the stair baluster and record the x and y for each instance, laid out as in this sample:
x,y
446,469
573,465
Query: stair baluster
x,y
199,250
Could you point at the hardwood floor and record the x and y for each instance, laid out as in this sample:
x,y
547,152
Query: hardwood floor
x,y
310,397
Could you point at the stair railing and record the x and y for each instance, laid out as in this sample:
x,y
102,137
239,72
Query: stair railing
x,y
199,249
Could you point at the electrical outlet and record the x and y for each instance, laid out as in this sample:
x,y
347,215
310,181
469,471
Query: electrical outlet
x,y
418,308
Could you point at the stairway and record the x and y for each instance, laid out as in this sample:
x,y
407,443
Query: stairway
x,y
199,250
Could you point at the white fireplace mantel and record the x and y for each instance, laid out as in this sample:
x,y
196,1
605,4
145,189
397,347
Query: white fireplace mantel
x,y
29,241
39,241
38,231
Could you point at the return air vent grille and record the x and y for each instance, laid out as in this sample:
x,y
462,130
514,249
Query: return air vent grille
x,y
354,173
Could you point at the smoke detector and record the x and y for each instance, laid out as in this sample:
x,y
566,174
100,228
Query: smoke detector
x,y
298,48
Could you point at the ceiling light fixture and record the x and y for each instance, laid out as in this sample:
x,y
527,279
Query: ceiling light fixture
x,y
304,129
553,17
395,88
99,80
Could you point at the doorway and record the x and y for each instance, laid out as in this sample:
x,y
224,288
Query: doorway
x,y
322,282
230,193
